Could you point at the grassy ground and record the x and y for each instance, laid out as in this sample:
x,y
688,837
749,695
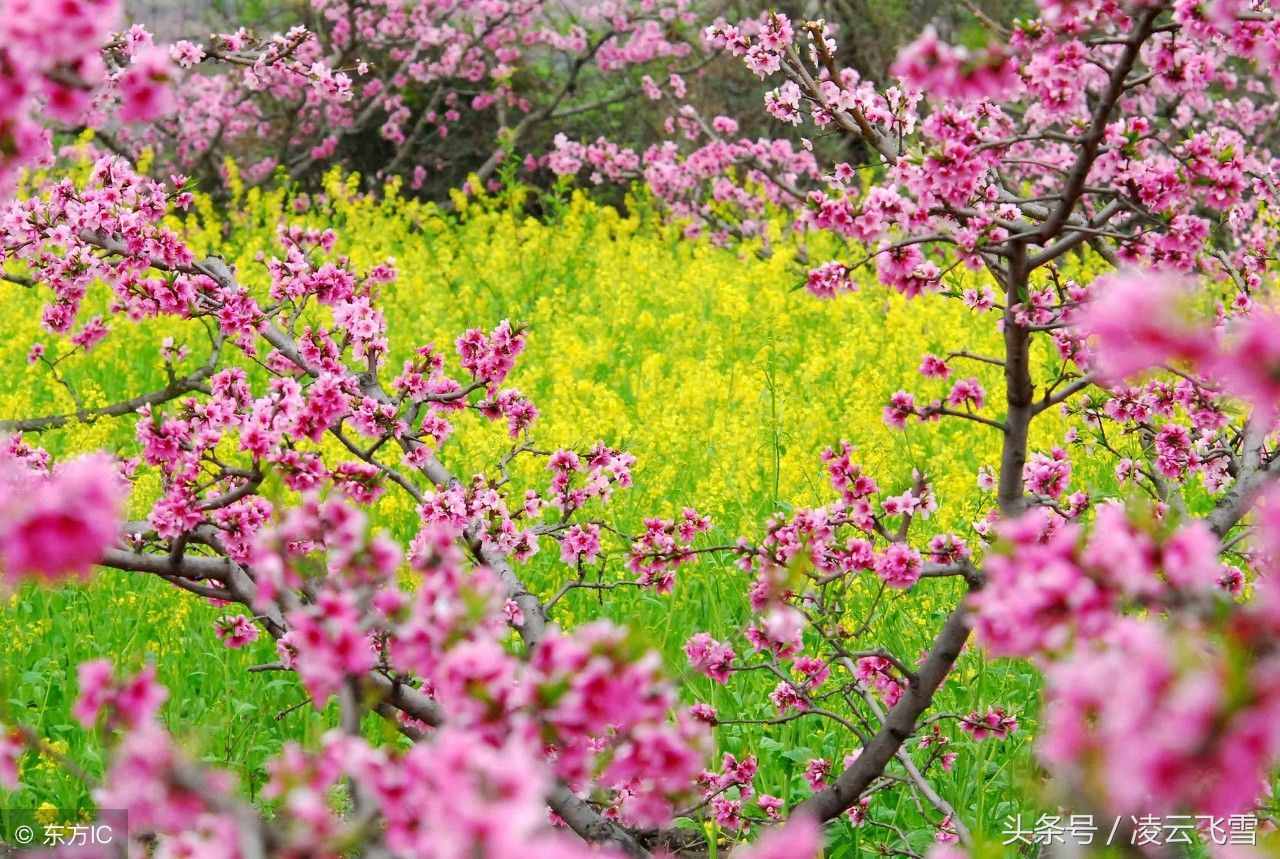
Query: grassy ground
x,y
709,366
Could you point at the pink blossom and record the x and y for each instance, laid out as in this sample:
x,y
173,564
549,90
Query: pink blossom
x,y
786,696
1034,599
1250,364
59,524
933,367
801,838
130,702
876,673
186,54
703,713
816,772
1048,475
1139,323
899,566
967,392
144,86
12,747
829,280
901,406
1189,557
993,723
710,657
235,631
580,544
814,670
945,71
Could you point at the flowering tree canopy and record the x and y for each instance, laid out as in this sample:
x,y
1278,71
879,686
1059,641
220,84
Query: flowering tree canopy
x,y
1132,134
418,91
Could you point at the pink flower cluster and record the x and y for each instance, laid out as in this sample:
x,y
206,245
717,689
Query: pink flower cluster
x,y
1136,134
51,56
285,103
769,170
57,523
127,702
1049,589
454,796
1158,730
710,657
945,71
994,723
12,747
665,546
489,358
235,631
1142,321
589,696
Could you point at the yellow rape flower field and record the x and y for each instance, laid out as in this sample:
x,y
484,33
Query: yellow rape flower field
x,y
723,378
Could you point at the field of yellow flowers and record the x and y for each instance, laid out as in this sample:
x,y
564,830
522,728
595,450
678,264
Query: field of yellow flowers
x,y
709,365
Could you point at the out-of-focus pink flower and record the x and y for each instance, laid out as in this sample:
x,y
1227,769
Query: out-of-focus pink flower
x,y
145,95
949,71
11,749
1249,366
53,526
801,838
129,702
1140,321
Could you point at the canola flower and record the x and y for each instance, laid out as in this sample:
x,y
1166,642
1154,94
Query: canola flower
x,y
699,361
